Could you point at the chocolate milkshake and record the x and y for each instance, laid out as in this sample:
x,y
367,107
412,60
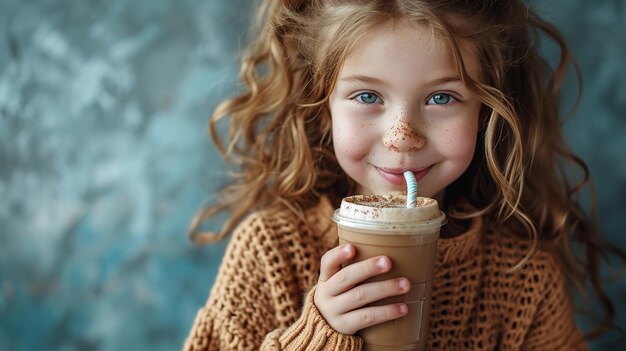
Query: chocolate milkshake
x,y
382,225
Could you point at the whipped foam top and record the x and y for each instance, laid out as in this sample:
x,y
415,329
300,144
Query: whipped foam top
x,y
389,208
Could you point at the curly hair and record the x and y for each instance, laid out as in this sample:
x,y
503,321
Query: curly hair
x,y
280,126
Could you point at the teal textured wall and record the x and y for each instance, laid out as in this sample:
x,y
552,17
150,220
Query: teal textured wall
x,y
104,159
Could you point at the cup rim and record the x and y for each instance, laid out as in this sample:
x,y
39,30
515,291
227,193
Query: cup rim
x,y
393,226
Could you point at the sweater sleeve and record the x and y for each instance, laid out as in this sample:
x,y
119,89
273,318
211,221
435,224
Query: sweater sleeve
x,y
553,327
311,332
250,308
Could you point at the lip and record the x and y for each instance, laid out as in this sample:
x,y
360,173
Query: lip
x,y
395,176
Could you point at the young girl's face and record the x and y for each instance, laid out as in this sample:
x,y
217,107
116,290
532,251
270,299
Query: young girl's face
x,y
399,104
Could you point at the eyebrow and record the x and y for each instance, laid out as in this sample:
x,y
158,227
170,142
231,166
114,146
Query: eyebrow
x,y
363,79
375,81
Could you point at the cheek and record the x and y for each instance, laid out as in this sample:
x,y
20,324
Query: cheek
x,y
459,141
349,139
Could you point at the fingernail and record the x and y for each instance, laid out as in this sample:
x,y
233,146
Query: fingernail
x,y
381,263
403,309
403,284
346,250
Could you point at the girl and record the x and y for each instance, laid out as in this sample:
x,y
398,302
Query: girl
x,y
344,96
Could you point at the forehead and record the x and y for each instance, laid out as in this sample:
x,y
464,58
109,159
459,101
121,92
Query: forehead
x,y
398,49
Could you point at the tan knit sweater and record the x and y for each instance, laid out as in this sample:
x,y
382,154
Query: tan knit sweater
x,y
263,294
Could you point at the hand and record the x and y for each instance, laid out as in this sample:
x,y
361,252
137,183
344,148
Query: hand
x,y
340,298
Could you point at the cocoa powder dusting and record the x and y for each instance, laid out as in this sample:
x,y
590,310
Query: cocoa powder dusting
x,y
385,201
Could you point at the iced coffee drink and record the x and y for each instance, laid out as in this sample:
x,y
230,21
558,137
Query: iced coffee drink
x,y
383,225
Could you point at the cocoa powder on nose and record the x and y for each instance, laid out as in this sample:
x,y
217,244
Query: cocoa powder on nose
x,y
403,133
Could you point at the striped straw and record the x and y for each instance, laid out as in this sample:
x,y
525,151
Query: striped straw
x,y
411,189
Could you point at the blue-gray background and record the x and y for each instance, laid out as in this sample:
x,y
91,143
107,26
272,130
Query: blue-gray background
x,y
104,159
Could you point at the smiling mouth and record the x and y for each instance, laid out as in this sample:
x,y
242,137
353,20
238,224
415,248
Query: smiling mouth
x,y
395,176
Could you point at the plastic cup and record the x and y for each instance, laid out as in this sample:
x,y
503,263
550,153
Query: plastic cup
x,y
382,225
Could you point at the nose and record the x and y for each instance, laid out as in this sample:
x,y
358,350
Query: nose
x,y
403,137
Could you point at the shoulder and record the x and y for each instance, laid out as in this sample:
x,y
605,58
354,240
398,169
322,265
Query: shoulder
x,y
260,229
513,250
539,272
282,223
283,245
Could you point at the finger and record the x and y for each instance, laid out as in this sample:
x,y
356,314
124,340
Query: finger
x,y
332,260
355,273
366,317
364,294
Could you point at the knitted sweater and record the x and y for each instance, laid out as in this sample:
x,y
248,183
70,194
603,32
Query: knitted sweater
x,y
263,295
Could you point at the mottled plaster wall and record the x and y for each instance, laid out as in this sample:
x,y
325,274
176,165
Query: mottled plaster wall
x,y
104,159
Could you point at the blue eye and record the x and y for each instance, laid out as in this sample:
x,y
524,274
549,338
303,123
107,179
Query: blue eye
x,y
441,99
368,98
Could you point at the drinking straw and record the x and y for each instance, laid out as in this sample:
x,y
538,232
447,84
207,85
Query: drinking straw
x,y
411,189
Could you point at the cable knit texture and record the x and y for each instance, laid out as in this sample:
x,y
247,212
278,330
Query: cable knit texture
x,y
263,294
